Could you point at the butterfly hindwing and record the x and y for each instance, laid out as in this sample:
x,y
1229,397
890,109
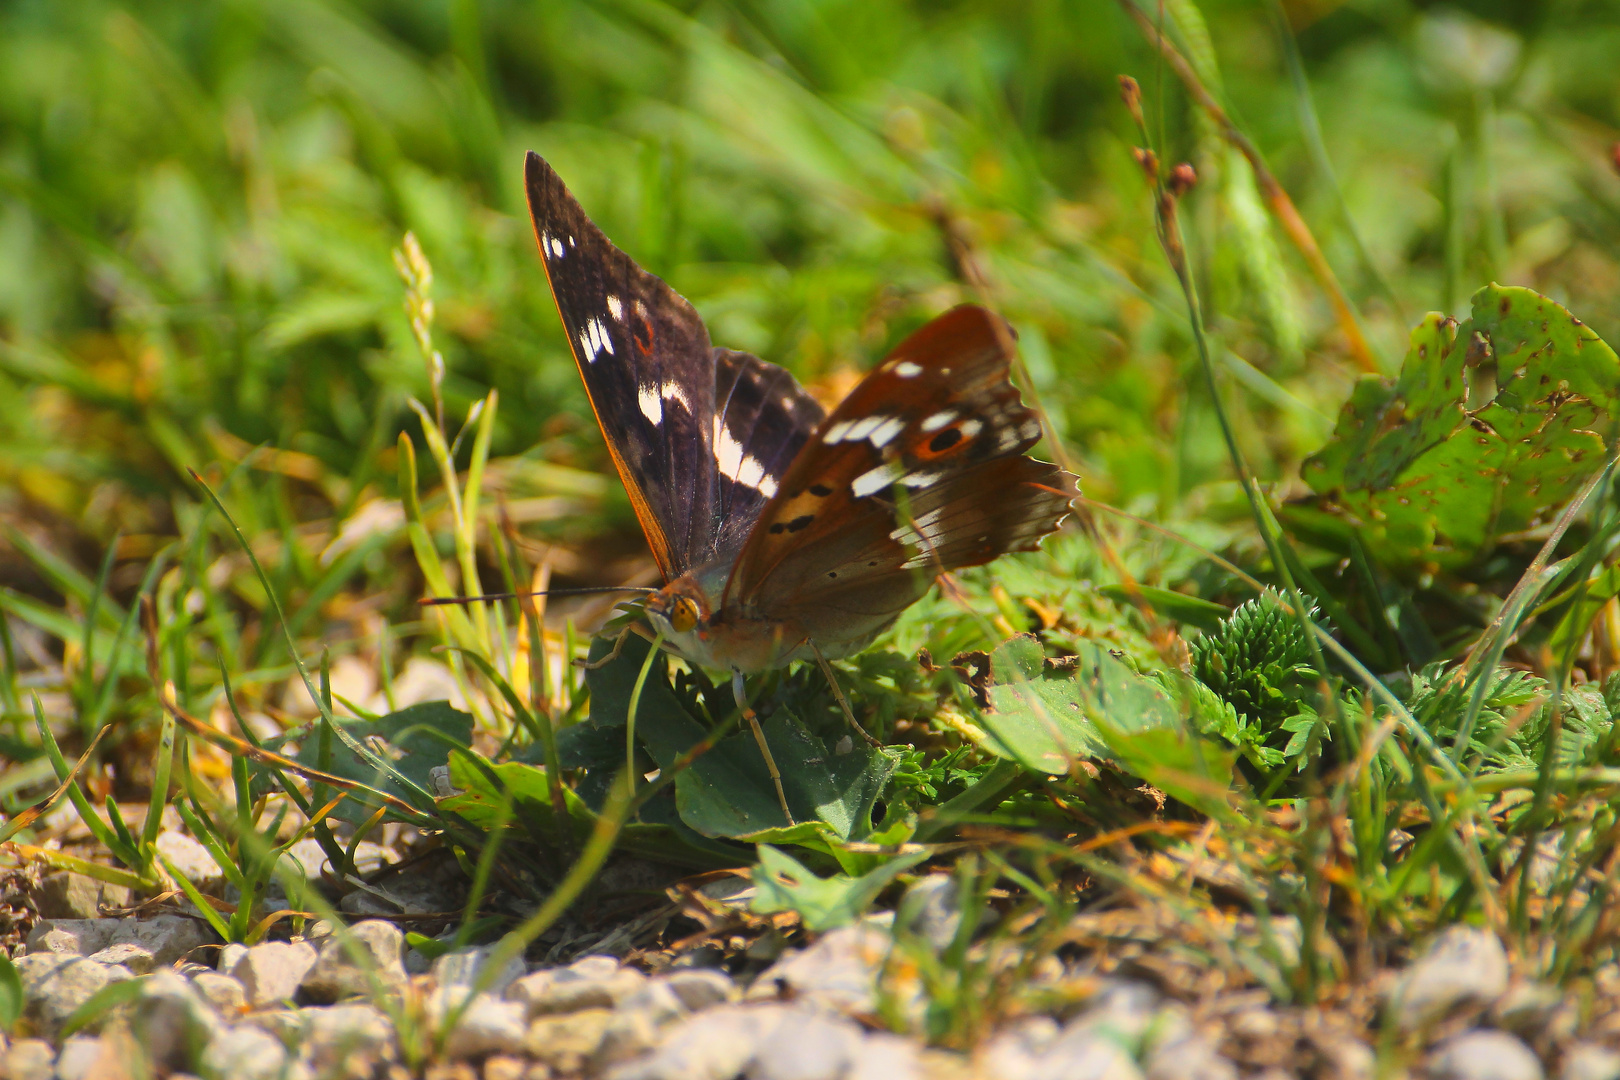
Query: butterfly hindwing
x,y
920,470
884,561
648,369
762,420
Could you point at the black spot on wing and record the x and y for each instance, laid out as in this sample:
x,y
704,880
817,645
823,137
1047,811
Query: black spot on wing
x,y
763,417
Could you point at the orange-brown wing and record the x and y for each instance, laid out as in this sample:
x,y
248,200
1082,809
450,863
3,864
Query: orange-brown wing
x,y
919,471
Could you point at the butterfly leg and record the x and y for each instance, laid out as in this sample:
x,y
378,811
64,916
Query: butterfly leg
x,y
759,737
618,647
843,702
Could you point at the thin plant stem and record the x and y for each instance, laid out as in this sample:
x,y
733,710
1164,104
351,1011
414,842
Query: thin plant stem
x,y
635,706
1271,189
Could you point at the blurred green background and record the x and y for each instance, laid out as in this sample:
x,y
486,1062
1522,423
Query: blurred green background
x,y
198,202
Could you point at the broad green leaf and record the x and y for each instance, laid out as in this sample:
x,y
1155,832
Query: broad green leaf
x,y
1491,427
482,803
415,740
782,883
728,792
1044,715
517,794
1176,760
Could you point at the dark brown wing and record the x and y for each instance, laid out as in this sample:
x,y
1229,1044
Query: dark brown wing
x,y
762,419
648,369
919,471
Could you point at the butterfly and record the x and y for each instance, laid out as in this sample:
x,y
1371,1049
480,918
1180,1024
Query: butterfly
x,y
783,532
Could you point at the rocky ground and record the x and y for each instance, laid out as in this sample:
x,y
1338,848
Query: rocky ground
x,y
797,1008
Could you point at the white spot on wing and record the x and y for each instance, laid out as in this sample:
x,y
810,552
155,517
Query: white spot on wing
x,y
673,391
615,308
752,473
912,534
875,480
744,468
971,428
1030,430
599,337
861,428
587,343
652,406
885,432
557,248
918,480
939,420
879,429
906,369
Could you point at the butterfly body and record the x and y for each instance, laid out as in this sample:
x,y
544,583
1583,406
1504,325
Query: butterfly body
x,y
781,531
690,613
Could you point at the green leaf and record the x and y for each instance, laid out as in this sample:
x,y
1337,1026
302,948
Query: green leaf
x,y
728,792
782,883
488,788
432,948
1044,715
1600,589
1047,714
1491,427
415,740
11,995
483,801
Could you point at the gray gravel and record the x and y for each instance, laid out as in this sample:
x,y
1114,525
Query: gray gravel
x,y
1462,965
1484,1055
301,1010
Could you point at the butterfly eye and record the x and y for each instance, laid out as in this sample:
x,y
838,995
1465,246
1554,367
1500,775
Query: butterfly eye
x,y
683,615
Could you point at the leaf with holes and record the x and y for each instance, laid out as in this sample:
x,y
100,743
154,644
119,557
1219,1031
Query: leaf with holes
x,y
1491,427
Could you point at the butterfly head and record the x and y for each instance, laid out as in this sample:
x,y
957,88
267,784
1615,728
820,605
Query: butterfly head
x,y
680,610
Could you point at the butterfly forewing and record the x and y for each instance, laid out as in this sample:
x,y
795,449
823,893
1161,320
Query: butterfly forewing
x,y
700,436
648,368
919,471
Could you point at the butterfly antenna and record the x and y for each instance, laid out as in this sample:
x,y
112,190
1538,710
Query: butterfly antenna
x,y
434,601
